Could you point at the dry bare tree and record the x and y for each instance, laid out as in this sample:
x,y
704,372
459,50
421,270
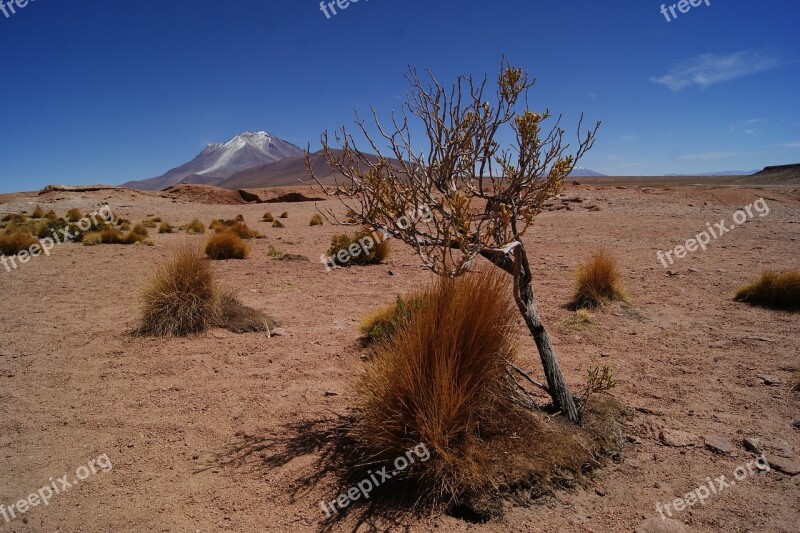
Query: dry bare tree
x,y
477,199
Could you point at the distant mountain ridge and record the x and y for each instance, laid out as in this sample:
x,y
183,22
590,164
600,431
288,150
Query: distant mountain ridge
x,y
219,161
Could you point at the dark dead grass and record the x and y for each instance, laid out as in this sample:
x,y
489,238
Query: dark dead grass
x,y
316,220
598,281
238,318
14,240
776,290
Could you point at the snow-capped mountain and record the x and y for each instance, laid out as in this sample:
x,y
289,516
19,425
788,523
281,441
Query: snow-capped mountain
x,y
578,172
219,161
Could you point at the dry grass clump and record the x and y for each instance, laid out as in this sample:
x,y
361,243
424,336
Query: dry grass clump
x,y
148,223
370,248
579,321
777,290
140,230
164,227
38,212
111,235
278,224
181,297
195,227
598,281
379,325
74,215
227,245
51,215
13,240
242,231
285,214
238,318
268,217
441,380
275,253
316,220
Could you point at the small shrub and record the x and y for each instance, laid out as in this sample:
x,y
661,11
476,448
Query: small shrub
x,y
598,281
51,215
599,380
580,321
316,220
227,245
164,227
148,223
238,318
773,289
93,238
181,297
125,226
140,230
15,241
371,250
278,224
275,253
38,212
241,229
217,225
51,226
74,215
285,214
268,217
379,325
239,218
195,227
156,219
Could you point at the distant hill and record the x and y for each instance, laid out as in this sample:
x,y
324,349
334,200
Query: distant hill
x,y
775,175
219,161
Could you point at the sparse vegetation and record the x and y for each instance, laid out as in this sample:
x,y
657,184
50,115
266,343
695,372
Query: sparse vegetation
x,y
227,245
599,380
164,227
38,212
374,255
268,217
148,223
15,240
51,215
598,281
278,224
275,253
777,290
242,231
285,214
140,230
579,321
379,325
316,220
238,318
195,227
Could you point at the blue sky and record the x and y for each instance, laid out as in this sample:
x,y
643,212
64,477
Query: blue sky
x,y
105,91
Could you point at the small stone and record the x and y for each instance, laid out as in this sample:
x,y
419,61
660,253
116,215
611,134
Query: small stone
x,y
752,444
718,445
391,272
279,332
796,423
195,456
768,380
599,491
331,393
661,525
633,463
676,438
693,269
672,273
787,466
607,354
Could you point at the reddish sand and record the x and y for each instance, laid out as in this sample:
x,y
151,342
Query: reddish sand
x,y
75,384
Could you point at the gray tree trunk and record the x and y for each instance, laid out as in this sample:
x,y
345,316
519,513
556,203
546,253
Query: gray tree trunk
x,y
526,301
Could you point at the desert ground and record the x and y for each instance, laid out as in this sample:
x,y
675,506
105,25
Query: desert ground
x,y
181,419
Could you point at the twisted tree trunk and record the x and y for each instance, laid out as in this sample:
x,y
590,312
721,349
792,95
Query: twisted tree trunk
x,y
526,301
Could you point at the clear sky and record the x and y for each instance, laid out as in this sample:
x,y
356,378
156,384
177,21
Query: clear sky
x,y
105,91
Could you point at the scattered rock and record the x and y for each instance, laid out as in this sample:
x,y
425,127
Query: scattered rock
x,y
661,525
718,344
633,463
672,273
718,445
787,466
599,491
279,332
621,187
331,393
752,444
768,380
693,269
676,438
796,423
